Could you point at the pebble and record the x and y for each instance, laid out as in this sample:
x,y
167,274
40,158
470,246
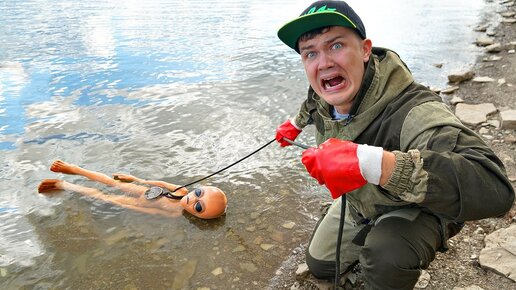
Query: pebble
x,y
449,90
495,47
483,80
472,287
288,225
248,267
266,247
239,248
461,77
423,281
302,270
217,271
479,231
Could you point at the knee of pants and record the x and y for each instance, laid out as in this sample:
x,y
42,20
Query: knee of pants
x,y
319,268
390,256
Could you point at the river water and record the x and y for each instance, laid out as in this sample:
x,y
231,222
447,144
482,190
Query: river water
x,y
173,90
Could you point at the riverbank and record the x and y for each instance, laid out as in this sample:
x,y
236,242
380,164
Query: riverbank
x,y
459,268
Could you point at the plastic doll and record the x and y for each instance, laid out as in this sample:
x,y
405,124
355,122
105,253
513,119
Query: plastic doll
x,y
206,202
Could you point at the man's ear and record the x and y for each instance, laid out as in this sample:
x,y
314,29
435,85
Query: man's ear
x,y
367,46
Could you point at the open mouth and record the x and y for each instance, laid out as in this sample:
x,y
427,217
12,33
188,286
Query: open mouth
x,y
333,82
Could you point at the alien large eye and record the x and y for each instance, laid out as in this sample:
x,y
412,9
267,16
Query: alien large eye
x,y
198,192
198,207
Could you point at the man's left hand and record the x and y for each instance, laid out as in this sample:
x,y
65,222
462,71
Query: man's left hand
x,y
343,166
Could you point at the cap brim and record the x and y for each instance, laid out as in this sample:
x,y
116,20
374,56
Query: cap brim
x,y
290,32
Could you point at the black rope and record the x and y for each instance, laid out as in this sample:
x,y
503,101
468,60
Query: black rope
x,y
232,164
339,239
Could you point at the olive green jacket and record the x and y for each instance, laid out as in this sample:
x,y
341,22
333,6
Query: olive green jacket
x,y
441,166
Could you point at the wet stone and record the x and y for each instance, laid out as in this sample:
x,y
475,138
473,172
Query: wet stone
x,y
484,41
182,277
278,236
496,47
217,271
117,237
266,247
250,267
288,225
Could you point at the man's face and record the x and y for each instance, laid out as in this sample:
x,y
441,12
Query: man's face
x,y
334,65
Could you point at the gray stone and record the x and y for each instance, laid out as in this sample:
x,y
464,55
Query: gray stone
x,y
423,281
499,254
302,270
455,100
449,90
496,47
483,80
471,287
461,77
494,123
484,41
492,58
508,119
481,28
509,20
508,13
249,267
474,114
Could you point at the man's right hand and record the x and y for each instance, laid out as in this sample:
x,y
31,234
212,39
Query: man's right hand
x,y
286,130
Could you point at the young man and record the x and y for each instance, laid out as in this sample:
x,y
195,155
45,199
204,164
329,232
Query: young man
x,y
410,171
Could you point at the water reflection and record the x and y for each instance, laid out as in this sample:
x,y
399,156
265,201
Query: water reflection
x,y
171,90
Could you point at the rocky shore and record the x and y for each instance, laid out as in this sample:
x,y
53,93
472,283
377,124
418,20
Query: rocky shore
x,y
483,255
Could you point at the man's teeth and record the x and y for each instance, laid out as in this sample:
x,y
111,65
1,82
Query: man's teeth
x,y
332,82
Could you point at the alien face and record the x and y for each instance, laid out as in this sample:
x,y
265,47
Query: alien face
x,y
206,202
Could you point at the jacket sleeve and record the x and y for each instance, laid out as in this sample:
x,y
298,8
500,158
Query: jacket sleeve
x,y
448,168
304,117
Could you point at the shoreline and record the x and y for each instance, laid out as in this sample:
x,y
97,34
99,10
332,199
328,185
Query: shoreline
x,y
459,267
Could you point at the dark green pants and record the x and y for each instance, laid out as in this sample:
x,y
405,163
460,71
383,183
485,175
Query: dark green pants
x,y
398,246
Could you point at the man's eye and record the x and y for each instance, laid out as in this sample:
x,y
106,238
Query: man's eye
x,y
198,207
198,192
310,54
336,46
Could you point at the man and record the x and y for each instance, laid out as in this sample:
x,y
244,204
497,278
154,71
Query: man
x,y
410,171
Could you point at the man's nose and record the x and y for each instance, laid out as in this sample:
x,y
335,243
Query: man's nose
x,y
325,61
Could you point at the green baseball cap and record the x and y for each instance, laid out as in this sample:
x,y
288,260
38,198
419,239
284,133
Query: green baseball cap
x,y
321,14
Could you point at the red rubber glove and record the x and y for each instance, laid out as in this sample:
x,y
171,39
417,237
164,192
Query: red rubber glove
x,y
336,164
288,130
